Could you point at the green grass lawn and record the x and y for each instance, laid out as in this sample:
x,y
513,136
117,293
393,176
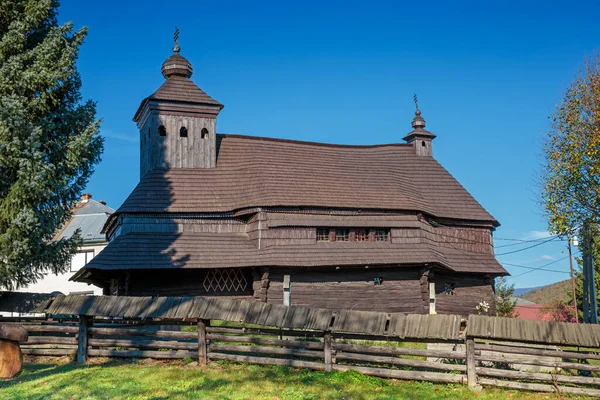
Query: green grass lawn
x,y
119,380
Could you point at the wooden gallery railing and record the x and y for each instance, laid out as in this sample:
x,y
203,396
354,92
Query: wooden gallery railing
x,y
530,355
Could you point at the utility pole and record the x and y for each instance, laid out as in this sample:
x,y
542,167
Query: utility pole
x,y
590,309
573,279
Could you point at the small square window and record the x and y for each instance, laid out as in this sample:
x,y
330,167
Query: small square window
x,y
381,235
342,235
322,235
449,288
79,260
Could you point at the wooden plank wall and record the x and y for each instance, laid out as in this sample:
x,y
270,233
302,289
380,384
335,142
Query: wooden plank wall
x,y
350,288
288,236
180,283
476,240
175,225
468,292
175,151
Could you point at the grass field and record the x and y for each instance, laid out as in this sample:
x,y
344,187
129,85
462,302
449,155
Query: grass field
x,y
141,380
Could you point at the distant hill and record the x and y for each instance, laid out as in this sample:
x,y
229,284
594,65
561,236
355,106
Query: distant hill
x,y
548,294
521,291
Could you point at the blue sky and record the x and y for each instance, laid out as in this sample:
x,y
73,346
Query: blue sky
x,y
487,75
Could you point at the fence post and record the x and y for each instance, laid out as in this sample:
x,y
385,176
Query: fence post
x,y
202,346
82,339
327,351
471,375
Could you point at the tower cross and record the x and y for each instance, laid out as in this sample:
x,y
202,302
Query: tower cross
x,y
176,47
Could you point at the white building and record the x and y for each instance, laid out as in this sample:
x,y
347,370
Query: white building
x,y
89,216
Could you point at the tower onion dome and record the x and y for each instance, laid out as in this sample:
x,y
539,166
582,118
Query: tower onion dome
x,y
418,122
176,65
419,131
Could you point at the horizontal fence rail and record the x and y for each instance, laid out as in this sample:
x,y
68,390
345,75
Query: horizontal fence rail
x,y
489,351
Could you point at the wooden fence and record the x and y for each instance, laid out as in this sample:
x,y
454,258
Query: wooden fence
x,y
326,351
530,355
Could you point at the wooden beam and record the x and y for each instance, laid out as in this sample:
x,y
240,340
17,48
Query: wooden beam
x,y
393,360
51,340
202,345
49,352
539,387
537,376
260,331
501,348
266,360
217,348
541,362
142,332
327,351
471,364
268,342
51,328
392,350
141,343
401,374
82,348
168,355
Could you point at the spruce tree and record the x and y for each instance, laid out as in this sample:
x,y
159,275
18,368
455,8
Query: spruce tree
x,y
505,300
49,141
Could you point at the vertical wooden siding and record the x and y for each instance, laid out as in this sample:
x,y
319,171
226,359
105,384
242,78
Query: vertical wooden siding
x,y
173,151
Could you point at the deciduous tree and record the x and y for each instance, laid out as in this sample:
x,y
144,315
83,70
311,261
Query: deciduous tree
x,y
570,181
49,141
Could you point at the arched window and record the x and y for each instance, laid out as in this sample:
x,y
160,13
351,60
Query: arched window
x,y
204,133
183,132
162,131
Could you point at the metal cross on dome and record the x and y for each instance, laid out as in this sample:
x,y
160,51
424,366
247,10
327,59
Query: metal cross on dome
x,y
176,47
416,100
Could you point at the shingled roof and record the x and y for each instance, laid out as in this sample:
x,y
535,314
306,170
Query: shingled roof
x,y
204,250
262,172
182,89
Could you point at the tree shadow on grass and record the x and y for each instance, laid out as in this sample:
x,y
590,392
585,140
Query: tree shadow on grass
x,y
35,371
32,372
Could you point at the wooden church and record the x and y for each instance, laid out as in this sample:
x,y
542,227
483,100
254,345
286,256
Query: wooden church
x,y
381,227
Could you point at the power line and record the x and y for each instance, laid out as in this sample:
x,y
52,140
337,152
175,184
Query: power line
x,y
526,248
535,269
526,240
520,242
538,268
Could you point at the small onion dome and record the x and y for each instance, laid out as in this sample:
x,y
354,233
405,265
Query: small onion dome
x,y
418,122
419,131
176,65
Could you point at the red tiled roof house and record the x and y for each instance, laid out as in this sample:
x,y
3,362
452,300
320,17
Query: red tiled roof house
x,y
381,227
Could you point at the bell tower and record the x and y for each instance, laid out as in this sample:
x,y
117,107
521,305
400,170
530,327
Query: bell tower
x,y
177,123
419,137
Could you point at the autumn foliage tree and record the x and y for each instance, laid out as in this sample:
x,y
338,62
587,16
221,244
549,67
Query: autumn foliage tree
x,y
570,181
558,312
571,168
49,140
